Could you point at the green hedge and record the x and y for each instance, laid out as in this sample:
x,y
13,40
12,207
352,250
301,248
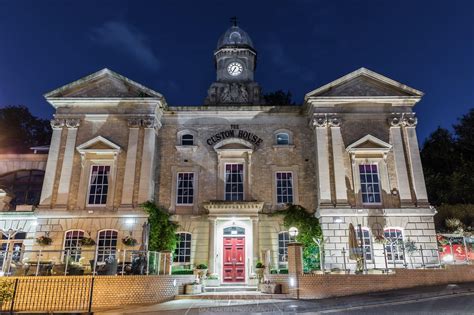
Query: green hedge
x,y
182,272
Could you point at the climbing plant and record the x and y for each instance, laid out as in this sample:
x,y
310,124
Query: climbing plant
x,y
308,229
162,229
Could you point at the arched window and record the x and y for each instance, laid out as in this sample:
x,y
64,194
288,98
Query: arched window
x,y
282,138
187,139
106,244
182,253
72,244
25,186
234,230
394,245
366,242
283,240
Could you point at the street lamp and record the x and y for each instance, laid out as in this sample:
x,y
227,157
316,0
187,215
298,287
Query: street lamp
x,y
293,231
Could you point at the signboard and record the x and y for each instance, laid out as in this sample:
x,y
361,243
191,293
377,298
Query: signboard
x,y
235,133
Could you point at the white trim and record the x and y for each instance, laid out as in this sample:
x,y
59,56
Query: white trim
x,y
83,148
354,147
177,187
100,205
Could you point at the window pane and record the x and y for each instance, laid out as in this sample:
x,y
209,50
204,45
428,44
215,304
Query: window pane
x,y
185,191
284,184
106,245
234,186
182,252
369,182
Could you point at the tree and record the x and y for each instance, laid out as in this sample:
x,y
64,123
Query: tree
x,y
20,130
278,97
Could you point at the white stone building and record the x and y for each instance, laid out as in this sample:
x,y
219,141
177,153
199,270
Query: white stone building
x,y
349,154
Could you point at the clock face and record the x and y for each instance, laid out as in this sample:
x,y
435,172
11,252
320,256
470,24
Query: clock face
x,y
235,69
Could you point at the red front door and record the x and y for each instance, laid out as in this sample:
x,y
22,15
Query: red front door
x,y
234,259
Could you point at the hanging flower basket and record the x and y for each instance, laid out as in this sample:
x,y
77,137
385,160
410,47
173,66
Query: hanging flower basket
x,y
44,240
129,241
87,241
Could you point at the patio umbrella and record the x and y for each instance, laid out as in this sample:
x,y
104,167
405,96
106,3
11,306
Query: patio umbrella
x,y
354,250
145,234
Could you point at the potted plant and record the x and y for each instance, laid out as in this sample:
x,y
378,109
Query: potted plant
x,y
200,271
260,270
87,241
212,280
410,248
44,240
129,241
193,288
75,268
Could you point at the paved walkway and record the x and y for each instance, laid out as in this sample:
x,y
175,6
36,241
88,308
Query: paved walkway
x,y
372,303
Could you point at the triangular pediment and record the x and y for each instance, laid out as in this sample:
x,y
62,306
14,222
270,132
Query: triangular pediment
x,y
364,83
98,144
103,84
369,143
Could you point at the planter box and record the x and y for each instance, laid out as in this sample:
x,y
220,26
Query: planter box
x,y
270,288
193,289
211,282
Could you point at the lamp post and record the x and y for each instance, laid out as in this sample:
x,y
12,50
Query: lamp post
x,y
293,231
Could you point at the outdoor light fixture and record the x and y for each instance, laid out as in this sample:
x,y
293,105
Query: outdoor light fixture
x,y
293,232
129,221
292,282
448,258
337,220
34,223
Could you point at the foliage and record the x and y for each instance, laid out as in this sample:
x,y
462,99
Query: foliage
x,y
182,272
20,130
283,271
129,241
278,97
410,246
6,291
162,230
259,265
309,228
201,266
87,241
455,218
44,240
213,276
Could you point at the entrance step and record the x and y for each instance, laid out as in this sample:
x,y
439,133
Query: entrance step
x,y
231,288
236,295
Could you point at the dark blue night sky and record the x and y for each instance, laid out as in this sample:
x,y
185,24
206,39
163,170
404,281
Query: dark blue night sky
x,y
168,46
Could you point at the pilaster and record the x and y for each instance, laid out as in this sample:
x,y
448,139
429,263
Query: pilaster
x,y
322,158
212,258
68,161
338,161
255,234
147,183
51,164
129,176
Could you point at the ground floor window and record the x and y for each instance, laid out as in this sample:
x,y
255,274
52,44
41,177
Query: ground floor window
x,y
182,253
283,240
366,242
106,245
72,244
394,246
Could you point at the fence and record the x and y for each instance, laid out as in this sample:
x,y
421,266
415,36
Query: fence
x,y
83,262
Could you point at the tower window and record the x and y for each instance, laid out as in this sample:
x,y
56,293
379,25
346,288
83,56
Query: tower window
x,y
282,138
187,139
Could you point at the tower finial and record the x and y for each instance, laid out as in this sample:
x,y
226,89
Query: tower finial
x,y
233,20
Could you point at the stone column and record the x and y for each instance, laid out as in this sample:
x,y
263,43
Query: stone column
x,y
322,158
212,253
51,165
256,240
130,163
400,162
338,161
147,171
68,161
295,267
414,160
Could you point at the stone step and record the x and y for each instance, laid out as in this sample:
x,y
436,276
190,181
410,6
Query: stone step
x,y
228,288
236,295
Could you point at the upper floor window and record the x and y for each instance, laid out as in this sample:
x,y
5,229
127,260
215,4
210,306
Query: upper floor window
x,y
185,189
99,185
282,138
370,183
366,242
182,253
234,181
394,245
106,245
25,186
72,244
284,186
187,139
283,240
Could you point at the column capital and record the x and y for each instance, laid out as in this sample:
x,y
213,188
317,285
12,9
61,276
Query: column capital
x,y
334,120
319,120
57,123
403,119
149,122
73,122
134,122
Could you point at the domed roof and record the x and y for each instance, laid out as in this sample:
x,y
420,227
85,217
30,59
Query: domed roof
x,y
235,36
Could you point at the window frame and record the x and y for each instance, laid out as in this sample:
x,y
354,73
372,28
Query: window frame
x,y
242,183
292,187
285,242
389,246
182,140
109,186
193,183
186,241
110,248
287,138
78,248
365,245
366,183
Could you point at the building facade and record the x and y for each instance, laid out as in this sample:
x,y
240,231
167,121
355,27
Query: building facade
x,y
349,154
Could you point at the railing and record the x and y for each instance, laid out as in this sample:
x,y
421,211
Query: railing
x,y
83,262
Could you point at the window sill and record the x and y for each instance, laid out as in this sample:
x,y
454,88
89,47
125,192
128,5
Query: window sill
x,y
283,147
186,148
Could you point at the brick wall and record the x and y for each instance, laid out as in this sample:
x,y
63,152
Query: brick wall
x,y
72,293
318,286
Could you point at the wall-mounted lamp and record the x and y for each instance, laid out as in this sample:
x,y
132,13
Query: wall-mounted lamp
x,y
293,231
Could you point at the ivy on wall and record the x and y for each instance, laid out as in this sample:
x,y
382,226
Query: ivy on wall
x,y
308,228
162,230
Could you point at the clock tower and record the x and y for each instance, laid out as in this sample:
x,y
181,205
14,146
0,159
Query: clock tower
x,y
235,60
